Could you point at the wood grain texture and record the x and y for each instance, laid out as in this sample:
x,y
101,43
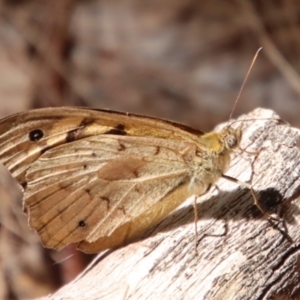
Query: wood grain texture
x,y
240,255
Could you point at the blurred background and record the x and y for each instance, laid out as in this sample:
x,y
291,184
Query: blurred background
x,y
174,59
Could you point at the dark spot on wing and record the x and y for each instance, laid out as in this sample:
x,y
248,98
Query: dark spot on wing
x,y
71,136
106,199
24,184
93,154
117,130
81,223
157,150
86,121
36,135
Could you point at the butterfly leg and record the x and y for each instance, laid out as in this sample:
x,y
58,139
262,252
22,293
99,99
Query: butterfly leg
x,y
195,222
196,218
256,202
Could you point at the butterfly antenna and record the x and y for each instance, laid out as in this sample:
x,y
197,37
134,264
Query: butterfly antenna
x,y
244,82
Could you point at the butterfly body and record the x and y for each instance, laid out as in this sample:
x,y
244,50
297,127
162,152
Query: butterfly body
x,y
100,178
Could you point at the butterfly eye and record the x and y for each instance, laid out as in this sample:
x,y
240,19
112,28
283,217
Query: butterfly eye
x,y
231,141
36,135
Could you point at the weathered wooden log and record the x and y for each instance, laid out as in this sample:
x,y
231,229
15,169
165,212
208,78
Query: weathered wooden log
x,y
241,254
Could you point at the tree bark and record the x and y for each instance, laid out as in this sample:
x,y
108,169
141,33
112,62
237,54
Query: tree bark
x,y
240,253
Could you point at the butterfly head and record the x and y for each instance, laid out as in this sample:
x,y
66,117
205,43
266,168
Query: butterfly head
x,y
223,141
231,137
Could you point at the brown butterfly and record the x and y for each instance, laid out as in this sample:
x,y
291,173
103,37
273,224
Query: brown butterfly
x,y
100,178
